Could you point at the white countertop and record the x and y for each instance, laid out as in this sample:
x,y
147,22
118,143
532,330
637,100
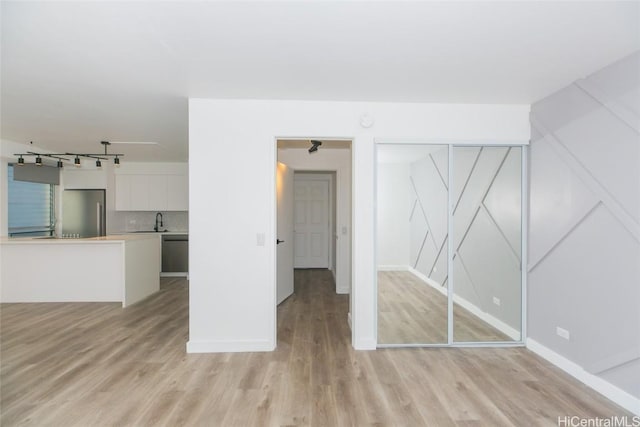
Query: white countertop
x,y
154,232
116,238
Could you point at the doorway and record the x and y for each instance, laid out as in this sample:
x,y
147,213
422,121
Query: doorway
x,y
320,212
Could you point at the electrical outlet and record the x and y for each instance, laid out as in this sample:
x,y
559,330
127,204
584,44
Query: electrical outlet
x,y
563,333
496,301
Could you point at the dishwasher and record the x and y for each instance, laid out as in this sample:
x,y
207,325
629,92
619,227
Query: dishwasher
x,y
175,253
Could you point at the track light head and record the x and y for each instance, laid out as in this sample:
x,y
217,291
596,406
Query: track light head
x,y
20,161
60,165
116,161
77,161
98,163
314,145
38,161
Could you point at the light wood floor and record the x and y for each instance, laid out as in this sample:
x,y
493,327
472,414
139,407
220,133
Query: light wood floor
x,y
98,364
412,312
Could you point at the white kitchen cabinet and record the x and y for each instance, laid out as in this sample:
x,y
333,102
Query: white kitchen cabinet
x,y
123,192
157,192
151,192
177,192
139,193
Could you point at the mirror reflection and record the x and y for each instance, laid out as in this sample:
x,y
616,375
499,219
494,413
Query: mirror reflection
x,y
412,243
487,241
412,223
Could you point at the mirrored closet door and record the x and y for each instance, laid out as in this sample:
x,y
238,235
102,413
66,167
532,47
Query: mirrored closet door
x,y
487,232
429,293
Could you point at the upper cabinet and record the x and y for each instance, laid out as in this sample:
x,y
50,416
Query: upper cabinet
x,y
138,191
177,192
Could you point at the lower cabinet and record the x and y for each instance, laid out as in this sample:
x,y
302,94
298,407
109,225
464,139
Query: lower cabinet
x,y
175,253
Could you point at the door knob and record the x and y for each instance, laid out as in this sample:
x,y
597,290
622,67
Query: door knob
x,y
278,241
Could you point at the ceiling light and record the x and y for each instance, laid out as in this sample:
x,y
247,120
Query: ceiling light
x,y
76,161
314,145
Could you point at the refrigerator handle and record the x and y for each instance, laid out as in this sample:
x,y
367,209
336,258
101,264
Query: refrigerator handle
x,y
98,219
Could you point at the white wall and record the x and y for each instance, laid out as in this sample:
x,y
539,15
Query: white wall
x,y
584,263
232,278
338,160
393,210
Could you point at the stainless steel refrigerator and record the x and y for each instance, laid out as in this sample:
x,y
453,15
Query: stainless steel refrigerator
x,y
83,213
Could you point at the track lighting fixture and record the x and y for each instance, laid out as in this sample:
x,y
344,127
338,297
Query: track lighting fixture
x,y
314,145
98,156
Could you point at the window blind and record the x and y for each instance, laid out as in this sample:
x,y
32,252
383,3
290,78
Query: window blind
x,y
30,206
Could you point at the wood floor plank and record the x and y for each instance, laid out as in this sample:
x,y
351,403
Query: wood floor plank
x,y
95,364
413,312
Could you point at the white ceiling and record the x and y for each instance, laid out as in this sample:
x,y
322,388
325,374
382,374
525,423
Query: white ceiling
x,y
75,73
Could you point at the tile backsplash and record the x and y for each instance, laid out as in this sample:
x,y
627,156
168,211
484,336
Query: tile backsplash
x,y
126,221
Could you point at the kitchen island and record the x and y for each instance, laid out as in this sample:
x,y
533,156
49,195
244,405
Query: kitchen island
x,y
120,268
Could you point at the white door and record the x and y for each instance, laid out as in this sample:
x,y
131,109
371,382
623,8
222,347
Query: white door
x,y
284,232
311,215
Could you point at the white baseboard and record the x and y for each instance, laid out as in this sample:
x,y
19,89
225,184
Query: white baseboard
x,y
342,291
435,285
341,287
512,333
393,268
365,344
228,346
185,274
608,390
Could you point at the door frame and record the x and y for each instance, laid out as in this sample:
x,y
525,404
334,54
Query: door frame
x,y
345,269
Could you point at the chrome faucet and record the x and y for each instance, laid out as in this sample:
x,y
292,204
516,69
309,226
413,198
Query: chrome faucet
x,y
156,228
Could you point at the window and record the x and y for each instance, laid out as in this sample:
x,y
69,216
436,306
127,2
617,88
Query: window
x,y
31,207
